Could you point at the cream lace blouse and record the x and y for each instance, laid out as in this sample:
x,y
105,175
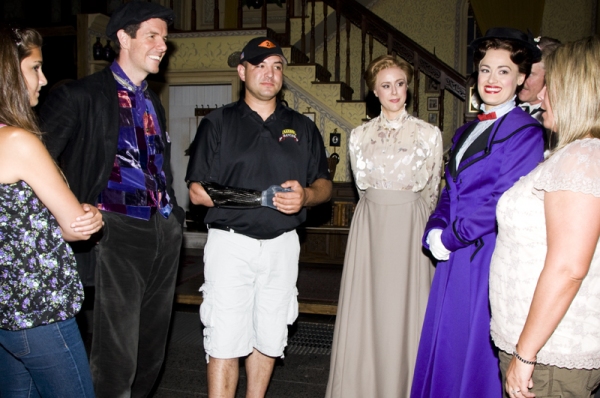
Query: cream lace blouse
x,y
401,154
520,253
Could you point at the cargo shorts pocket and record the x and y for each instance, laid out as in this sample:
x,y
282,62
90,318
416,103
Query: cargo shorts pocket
x,y
206,315
293,307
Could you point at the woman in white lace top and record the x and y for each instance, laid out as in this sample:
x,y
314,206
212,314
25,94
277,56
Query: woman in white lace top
x,y
545,271
396,160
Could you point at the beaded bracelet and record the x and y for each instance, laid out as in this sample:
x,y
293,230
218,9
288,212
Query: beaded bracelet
x,y
516,354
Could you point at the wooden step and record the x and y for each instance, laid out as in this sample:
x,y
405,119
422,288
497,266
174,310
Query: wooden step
x,y
346,91
298,57
322,75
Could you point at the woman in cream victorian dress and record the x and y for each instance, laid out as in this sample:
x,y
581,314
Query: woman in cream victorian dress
x,y
396,160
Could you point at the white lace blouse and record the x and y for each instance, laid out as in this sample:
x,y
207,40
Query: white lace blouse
x,y
520,253
401,154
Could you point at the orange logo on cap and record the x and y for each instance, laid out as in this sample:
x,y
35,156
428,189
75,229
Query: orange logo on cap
x,y
267,44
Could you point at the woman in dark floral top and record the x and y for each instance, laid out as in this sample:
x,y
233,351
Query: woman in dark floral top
x,y
41,351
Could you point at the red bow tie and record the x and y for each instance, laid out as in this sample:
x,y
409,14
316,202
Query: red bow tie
x,y
486,116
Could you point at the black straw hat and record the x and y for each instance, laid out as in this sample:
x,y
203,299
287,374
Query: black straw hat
x,y
515,35
259,48
136,12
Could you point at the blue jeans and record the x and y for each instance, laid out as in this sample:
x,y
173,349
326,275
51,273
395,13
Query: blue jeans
x,y
45,361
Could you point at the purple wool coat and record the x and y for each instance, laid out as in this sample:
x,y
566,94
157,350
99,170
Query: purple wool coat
x,y
456,356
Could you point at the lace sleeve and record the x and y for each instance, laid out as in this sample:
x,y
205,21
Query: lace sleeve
x,y
576,168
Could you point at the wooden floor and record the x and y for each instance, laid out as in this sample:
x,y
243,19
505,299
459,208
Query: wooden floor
x,y
318,289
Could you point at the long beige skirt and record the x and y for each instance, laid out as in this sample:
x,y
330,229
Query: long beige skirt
x,y
383,296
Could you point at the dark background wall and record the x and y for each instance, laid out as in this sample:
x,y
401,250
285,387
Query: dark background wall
x,y
56,20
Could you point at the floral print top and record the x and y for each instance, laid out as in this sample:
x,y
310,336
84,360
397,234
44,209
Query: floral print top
x,y
39,283
401,154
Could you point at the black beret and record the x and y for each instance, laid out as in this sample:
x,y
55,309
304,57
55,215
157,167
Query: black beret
x,y
514,35
136,12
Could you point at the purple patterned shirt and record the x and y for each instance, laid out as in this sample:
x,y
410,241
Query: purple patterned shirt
x,y
137,183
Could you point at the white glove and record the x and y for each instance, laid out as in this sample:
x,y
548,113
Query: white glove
x,y
437,248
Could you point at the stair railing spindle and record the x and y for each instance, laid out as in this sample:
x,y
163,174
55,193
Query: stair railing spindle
x,y
348,27
338,16
441,101
325,55
240,15
303,33
193,16
289,13
263,19
416,79
312,31
363,55
216,15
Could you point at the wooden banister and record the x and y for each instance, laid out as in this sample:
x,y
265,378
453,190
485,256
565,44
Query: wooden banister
x,y
215,15
193,16
325,54
397,42
312,31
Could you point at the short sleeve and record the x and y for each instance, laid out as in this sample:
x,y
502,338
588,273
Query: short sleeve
x,y
202,165
576,168
318,166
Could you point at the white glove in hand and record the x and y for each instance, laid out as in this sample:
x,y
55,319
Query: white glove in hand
x,y
437,248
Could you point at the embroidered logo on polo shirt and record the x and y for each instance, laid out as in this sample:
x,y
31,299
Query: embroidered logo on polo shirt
x,y
267,44
288,134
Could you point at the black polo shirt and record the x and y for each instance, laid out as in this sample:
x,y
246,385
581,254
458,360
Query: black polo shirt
x,y
235,147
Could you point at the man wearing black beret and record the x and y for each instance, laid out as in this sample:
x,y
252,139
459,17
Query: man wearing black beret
x,y
108,133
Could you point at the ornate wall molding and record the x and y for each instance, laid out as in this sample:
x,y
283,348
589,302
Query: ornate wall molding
x,y
325,112
221,33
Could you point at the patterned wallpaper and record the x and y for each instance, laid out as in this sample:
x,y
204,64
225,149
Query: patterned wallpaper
x,y
569,20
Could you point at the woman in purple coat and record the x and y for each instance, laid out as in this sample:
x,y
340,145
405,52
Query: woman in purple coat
x,y
456,356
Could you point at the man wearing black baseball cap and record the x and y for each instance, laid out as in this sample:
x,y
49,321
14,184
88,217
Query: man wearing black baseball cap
x,y
108,132
253,148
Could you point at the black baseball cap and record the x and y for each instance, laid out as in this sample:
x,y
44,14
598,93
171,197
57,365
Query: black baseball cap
x,y
260,48
136,12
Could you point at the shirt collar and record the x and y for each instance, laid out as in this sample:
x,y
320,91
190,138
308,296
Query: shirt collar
x,y
124,81
394,123
245,110
501,109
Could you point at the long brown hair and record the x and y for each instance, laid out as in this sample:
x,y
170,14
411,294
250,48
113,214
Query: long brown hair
x,y
15,108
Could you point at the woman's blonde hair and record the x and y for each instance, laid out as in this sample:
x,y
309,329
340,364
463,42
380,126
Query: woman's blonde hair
x,y
573,89
383,62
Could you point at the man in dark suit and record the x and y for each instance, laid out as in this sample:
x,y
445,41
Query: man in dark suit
x,y
108,132
535,82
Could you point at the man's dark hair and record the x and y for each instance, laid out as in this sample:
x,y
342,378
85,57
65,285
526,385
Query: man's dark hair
x,y
131,31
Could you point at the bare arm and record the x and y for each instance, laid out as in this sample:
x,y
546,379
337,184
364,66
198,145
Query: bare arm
x,y
198,195
572,238
24,157
292,202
